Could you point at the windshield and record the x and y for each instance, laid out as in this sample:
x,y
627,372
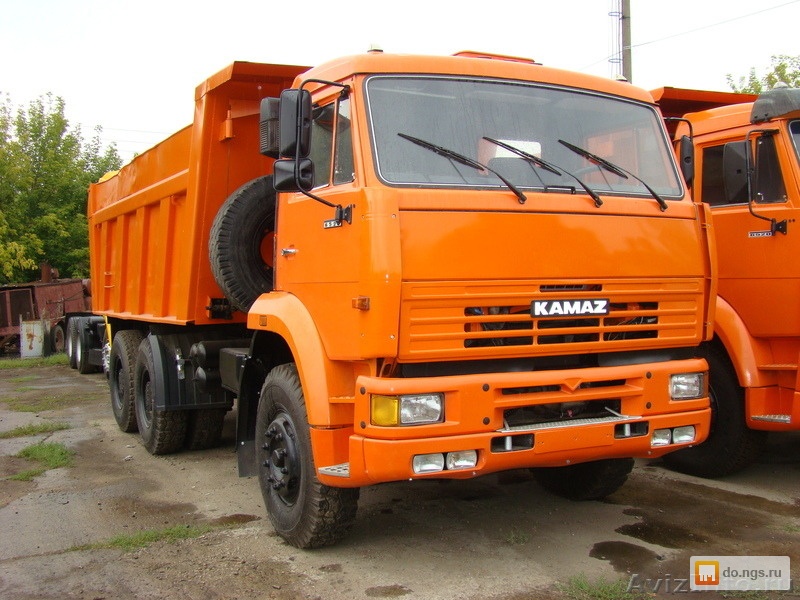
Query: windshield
x,y
469,116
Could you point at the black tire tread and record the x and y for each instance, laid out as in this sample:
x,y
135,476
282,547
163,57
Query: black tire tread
x,y
125,345
329,512
166,432
235,241
204,428
585,481
71,340
731,445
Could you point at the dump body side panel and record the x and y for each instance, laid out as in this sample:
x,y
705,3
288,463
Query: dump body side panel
x,y
149,223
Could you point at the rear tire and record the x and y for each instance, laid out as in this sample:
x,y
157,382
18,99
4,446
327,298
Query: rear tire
x,y
162,431
72,341
205,428
304,512
242,226
585,481
121,378
731,445
58,338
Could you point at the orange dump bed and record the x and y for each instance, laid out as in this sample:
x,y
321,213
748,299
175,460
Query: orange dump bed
x,y
149,222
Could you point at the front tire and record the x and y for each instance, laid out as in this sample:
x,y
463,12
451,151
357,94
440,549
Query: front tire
x,y
731,445
162,431
121,378
585,481
304,512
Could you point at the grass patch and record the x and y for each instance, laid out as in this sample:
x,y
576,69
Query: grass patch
x,y
580,588
142,539
24,379
26,363
48,455
517,537
34,429
35,405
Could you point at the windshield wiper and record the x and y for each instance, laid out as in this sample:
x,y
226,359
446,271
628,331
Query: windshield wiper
x,y
547,166
616,169
464,160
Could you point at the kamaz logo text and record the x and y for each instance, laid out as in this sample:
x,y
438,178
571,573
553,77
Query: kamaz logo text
x,y
558,308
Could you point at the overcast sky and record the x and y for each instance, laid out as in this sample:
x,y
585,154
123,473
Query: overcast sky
x,y
132,66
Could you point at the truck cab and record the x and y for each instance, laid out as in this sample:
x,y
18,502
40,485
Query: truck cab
x,y
746,169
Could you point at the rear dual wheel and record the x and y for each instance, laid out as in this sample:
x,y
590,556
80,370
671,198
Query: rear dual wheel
x,y
121,378
162,431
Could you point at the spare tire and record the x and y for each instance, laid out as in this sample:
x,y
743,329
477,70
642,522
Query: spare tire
x,y
239,246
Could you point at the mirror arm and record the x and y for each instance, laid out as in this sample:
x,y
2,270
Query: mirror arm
x,y
775,226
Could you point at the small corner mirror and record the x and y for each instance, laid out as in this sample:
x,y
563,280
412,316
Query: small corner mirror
x,y
686,150
283,175
268,127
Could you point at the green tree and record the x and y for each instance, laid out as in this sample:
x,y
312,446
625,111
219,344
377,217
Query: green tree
x,y
45,170
785,69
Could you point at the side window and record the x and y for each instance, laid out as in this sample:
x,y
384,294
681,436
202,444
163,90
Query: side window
x,y
343,170
768,181
331,144
322,143
712,188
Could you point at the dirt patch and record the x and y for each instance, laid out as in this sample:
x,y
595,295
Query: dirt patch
x,y
498,537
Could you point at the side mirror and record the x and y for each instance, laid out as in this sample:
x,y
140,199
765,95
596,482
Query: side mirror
x,y
687,158
295,124
734,172
268,127
283,175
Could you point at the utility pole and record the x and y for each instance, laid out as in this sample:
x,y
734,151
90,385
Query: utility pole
x,y
627,67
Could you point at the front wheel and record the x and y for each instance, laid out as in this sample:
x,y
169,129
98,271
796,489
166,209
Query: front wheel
x,y
731,445
585,481
303,511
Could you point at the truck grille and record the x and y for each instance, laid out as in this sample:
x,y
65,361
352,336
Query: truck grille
x,y
457,320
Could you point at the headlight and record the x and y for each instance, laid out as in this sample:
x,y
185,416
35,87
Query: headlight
x,y
687,386
407,409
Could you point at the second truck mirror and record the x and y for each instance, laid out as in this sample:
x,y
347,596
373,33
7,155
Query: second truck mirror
x,y
283,175
687,158
734,172
295,124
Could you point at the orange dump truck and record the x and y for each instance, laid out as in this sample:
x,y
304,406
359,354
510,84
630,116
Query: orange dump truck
x,y
744,158
435,267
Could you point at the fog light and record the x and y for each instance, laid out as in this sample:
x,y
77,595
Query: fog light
x,y
687,386
661,437
683,435
428,463
465,459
